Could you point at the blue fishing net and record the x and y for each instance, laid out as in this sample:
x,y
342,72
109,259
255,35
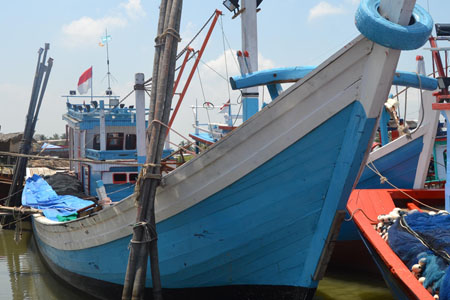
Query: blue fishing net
x,y
421,235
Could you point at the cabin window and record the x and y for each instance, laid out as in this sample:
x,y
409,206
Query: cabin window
x,y
119,178
114,141
130,142
132,177
96,145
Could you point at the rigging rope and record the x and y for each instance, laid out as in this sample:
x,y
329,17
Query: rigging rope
x,y
225,57
383,179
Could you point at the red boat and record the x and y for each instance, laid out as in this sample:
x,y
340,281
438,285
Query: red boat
x,y
365,206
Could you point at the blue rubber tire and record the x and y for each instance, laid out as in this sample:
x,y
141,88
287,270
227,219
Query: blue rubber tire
x,y
381,31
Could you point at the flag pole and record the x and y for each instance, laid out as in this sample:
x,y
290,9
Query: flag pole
x,y
92,83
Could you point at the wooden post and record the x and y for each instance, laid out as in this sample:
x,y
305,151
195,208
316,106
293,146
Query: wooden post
x,y
144,233
140,117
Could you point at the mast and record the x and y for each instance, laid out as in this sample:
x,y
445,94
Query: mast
x,y
250,49
105,40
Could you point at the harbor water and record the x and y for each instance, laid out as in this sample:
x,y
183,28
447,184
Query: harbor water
x,y
24,276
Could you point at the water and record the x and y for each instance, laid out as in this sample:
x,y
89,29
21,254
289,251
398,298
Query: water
x,y
24,276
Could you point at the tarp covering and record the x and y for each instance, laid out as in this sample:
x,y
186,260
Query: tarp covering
x,y
434,231
39,194
50,146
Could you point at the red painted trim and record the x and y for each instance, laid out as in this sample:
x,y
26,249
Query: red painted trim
x,y
376,202
194,67
440,106
120,181
436,57
227,127
200,139
188,52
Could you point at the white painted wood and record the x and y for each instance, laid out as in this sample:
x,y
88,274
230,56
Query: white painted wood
x,y
431,120
102,127
427,131
342,79
303,107
76,149
83,143
397,11
140,117
249,35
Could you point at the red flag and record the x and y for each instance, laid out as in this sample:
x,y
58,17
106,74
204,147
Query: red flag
x,y
85,81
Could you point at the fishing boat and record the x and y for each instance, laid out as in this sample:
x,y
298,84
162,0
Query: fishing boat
x,y
366,205
405,230
251,217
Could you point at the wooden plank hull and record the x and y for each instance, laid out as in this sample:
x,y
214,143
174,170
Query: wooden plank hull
x,y
398,277
249,211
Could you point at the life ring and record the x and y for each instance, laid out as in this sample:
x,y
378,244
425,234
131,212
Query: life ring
x,y
208,105
381,31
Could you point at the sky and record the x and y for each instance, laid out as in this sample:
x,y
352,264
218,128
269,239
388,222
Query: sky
x,y
290,33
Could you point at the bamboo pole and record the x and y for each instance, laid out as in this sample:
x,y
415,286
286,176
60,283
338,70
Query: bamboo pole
x,y
144,234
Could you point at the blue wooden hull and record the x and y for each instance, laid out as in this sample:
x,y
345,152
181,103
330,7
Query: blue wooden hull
x,y
399,166
396,287
267,229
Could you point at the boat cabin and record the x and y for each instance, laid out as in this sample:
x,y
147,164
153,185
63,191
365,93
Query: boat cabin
x,y
102,130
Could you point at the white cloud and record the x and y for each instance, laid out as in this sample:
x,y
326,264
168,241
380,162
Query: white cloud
x,y
353,2
134,9
214,87
325,9
87,31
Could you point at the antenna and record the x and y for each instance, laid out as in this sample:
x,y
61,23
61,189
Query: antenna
x,y
105,41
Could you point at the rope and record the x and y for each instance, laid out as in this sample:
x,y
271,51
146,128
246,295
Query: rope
x,y
204,98
123,99
421,106
179,134
355,211
212,69
239,110
195,36
383,179
13,222
168,31
149,233
231,50
225,57
117,162
5,198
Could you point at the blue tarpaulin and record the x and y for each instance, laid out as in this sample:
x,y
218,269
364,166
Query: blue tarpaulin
x,y
39,194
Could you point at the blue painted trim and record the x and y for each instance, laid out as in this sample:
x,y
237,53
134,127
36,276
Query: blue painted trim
x,y
264,77
261,229
203,137
110,154
398,166
273,76
117,192
409,79
358,135
249,107
275,90
384,119
376,28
